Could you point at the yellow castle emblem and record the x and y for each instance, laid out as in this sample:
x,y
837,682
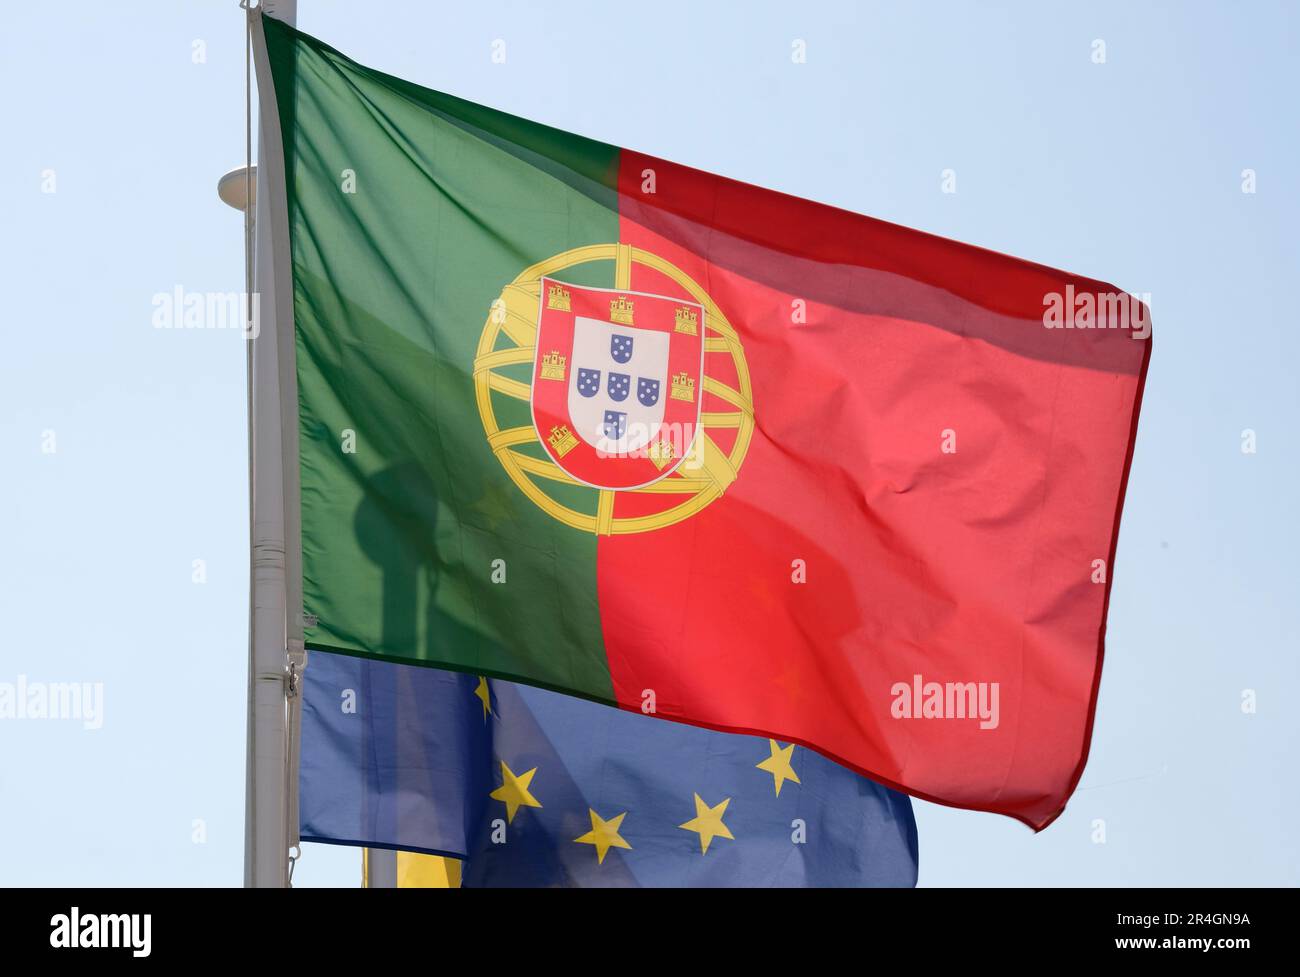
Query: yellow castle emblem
x,y
620,310
562,440
683,388
661,453
688,321
553,365
557,297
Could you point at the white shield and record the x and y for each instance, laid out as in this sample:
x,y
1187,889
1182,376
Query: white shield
x,y
646,366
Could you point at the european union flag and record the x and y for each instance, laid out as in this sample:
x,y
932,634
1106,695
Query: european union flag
x,y
533,788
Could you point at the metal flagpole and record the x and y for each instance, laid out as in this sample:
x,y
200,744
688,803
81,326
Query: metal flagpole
x,y
272,630
276,655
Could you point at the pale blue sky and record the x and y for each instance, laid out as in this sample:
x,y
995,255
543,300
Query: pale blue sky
x,y
1128,171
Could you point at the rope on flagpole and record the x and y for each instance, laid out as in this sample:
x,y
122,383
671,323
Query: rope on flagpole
x,y
291,767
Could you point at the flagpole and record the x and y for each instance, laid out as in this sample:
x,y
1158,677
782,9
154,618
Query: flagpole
x,y
275,637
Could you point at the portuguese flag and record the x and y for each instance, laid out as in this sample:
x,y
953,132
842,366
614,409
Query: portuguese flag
x,y
589,420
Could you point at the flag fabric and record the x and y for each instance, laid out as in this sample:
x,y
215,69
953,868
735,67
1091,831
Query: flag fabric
x,y
582,418
534,788
386,868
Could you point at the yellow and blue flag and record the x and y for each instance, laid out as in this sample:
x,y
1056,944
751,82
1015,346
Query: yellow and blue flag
x,y
533,788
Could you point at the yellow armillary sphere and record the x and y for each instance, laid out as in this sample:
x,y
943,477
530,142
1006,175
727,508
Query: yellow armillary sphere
x,y
520,368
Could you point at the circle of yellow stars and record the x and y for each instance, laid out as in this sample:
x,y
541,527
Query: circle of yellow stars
x,y
515,792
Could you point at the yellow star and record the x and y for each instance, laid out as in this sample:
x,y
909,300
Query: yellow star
x,y
514,791
778,764
707,823
485,694
603,834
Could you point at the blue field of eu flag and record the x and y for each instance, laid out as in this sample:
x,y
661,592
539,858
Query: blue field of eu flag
x,y
533,788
